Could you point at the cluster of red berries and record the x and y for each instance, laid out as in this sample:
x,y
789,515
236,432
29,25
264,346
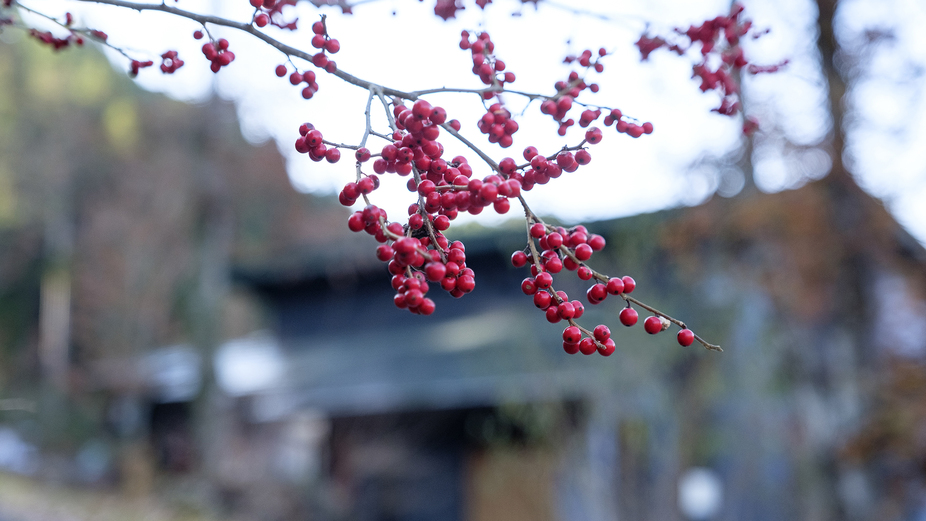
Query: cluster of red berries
x,y
491,70
268,11
498,125
296,78
719,38
216,52
310,142
136,65
570,249
170,62
324,43
53,41
413,265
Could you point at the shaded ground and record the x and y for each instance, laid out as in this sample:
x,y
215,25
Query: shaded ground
x,y
23,499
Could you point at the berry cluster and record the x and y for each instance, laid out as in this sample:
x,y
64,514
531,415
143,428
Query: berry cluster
x,y
53,41
136,65
570,249
269,11
216,52
719,39
325,43
310,142
170,62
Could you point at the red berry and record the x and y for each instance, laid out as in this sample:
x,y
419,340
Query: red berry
x,y
333,155
384,252
578,309
652,325
572,335
597,293
571,348
466,283
426,307
281,71
685,337
608,347
602,332
544,280
198,35
538,230
518,259
528,286
628,316
583,157
583,252
629,284
542,299
584,272
332,46
587,346
615,286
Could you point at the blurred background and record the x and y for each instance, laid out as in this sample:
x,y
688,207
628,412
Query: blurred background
x,y
184,335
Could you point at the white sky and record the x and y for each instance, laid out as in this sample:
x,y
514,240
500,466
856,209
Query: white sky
x,y
887,140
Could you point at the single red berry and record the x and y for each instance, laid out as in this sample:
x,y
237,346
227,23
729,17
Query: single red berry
x,y
584,273
332,155
685,337
596,294
570,348
544,280
466,283
583,157
607,349
426,307
593,136
281,71
553,265
587,346
629,284
602,332
597,242
318,28
652,325
566,310
538,230
518,259
583,252
615,286
435,271
198,35
355,222
572,335
528,286
332,46
542,299
384,252
578,309
628,316
320,60
554,240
